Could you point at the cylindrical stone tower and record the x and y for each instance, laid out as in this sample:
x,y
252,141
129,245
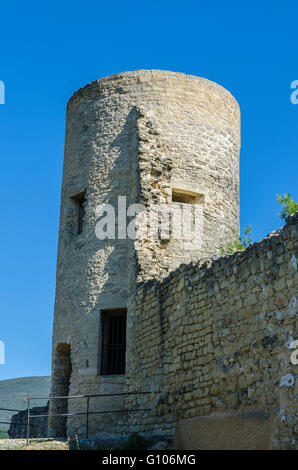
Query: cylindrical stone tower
x,y
155,138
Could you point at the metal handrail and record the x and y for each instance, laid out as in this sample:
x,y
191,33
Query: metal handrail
x,y
88,395
17,424
9,409
87,412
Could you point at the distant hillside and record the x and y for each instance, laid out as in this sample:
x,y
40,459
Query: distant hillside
x,y
13,392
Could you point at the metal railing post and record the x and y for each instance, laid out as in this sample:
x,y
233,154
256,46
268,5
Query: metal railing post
x,y
87,418
28,421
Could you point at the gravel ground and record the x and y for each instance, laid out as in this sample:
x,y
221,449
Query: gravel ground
x,y
6,444
34,444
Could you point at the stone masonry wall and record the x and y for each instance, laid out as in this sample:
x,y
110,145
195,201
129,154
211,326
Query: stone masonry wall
x,y
214,337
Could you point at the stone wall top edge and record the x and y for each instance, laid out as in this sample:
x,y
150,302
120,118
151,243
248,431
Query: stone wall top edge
x,y
210,264
147,75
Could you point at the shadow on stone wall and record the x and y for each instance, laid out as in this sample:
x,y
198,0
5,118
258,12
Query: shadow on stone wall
x,y
38,426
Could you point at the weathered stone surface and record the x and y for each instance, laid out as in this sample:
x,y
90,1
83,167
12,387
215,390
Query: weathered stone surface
x,y
205,334
137,134
252,430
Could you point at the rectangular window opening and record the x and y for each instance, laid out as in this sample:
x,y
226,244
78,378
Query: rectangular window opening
x,y
80,200
113,346
186,197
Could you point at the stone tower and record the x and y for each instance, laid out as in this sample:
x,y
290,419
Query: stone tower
x,y
156,138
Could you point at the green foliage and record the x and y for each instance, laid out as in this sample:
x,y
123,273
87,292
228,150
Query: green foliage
x,y
238,244
289,206
77,442
4,435
136,442
73,443
86,444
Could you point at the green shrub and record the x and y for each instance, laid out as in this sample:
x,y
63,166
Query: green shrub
x,y
4,434
136,442
238,244
289,206
86,444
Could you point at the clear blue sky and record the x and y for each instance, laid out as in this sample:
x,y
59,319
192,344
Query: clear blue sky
x,y
50,49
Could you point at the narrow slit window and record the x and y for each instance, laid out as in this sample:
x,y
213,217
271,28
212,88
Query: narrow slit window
x,y
113,347
80,200
186,197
